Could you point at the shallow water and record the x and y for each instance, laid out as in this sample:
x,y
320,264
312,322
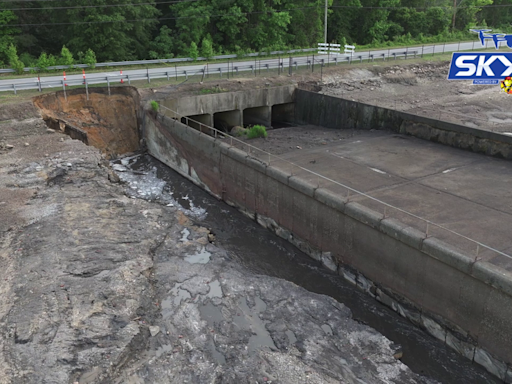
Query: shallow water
x,y
262,252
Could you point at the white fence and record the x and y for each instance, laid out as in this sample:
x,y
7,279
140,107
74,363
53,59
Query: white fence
x,y
335,49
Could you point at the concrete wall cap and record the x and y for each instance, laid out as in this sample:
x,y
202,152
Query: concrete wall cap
x,y
277,174
256,164
363,214
329,198
302,186
493,275
237,154
447,254
402,232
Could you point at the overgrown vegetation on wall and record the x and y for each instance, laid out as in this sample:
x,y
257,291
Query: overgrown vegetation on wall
x,y
51,32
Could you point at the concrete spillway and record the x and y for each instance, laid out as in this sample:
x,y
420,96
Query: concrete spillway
x,y
461,298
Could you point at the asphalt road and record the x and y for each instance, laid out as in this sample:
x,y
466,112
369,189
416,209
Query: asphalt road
x,y
248,65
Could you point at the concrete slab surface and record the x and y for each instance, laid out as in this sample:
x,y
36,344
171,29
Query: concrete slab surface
x,y
465,192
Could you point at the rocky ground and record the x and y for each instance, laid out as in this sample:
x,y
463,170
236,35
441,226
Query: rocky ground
x,y
421,88
99,287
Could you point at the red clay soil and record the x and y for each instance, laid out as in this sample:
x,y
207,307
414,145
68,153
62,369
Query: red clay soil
x,y
109,121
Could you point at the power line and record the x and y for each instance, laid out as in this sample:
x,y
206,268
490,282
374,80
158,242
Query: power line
x,y
102,6
162,18
423,8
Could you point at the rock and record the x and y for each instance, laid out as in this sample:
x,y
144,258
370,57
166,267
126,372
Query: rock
x,y
61,139
9,146
238,130
26,144
154,330
49,130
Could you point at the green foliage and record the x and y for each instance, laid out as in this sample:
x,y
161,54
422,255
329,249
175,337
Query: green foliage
x,y
193,53
208,91
162,45
14,61
207,48
45,61
133,31
154,105
257,131
90,58
28,59
6,34
66,57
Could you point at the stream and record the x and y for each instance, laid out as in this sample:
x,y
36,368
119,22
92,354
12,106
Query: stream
x,y
262,252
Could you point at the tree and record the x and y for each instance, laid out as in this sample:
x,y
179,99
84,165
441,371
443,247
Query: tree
x,y
14,61
193,53
66,57
207,48
162,45
114,33
6,34
90,58
45,61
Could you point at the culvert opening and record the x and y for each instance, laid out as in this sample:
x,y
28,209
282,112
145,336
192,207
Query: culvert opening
x,y
224,121
257,116
198,121
283,115
106,121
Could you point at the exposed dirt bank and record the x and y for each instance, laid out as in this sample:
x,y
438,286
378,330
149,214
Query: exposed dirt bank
x,y
107,122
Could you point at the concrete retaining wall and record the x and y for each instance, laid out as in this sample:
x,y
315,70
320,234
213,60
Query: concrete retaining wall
x,y
464,303
334,112
255,104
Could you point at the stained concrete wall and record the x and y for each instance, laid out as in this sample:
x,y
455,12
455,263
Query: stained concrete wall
x,y
261,99
257,115
464,303
283,113
333,112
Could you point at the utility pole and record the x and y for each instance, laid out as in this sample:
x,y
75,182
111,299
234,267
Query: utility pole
x,y
325,23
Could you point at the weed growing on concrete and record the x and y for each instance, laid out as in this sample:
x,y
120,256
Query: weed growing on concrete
x,y
256,131
154,105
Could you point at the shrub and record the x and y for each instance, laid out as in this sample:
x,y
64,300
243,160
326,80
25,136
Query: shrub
x,y
45,61
256,131
90,58
14,61
193,52
206,48
154,105
66,57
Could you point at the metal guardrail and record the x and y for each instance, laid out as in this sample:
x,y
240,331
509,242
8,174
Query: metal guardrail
x,y
161,61
268,159
231,68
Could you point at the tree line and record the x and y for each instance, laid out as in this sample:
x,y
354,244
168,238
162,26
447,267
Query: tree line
x,y
44,33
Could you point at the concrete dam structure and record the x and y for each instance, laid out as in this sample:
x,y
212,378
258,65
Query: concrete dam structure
x,y
461,296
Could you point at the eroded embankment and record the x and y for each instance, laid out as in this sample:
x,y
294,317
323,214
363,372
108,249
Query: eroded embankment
x,y
105,120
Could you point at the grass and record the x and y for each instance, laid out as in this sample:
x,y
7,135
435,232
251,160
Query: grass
x,y
209,91
256,131
154,105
